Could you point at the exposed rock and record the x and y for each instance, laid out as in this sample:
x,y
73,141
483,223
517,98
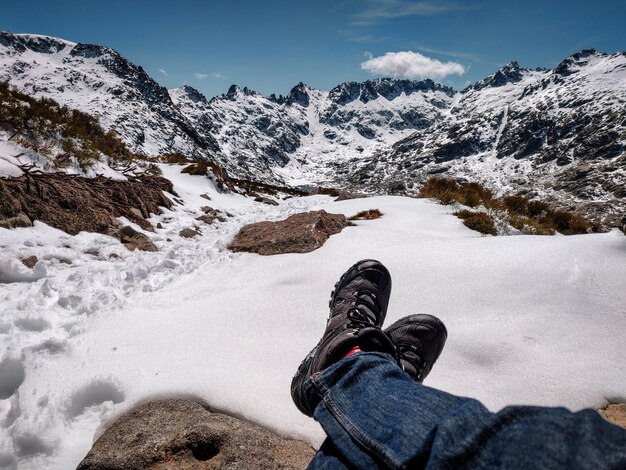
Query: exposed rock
x,y
188,233
134,240
74,204
30,262
20,220
615,413
345,195
159,225
207,218
182,434
205,196
265,200
299,233
210,215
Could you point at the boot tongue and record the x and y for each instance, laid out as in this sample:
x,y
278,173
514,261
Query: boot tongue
x,y
373,339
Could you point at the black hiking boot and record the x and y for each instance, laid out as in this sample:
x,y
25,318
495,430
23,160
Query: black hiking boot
x,y
358,305
419,340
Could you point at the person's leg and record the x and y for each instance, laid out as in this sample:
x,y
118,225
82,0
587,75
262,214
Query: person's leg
x,y
375,415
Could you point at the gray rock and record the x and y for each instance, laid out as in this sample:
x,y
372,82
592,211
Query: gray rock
x,y
133,240
182,434
188,233
20,220
30,262
299,233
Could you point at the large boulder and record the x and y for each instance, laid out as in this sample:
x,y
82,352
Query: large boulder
x,y
182,434
299,233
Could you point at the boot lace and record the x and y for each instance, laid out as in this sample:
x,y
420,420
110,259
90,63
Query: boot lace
x,y
364,309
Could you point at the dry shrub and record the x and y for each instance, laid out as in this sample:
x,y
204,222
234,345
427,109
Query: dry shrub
x,y
479,221
174,158
198,168
474,194
516,204
445,190
530,226
537,208
370,214
530,217
568,223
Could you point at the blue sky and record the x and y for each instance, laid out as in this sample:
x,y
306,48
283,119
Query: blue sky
x,y
270,46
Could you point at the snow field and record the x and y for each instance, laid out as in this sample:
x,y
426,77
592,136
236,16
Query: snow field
x,y
533,320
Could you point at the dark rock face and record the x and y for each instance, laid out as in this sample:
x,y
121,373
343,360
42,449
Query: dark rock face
x,y
182,434
300,233
74,204
389,88
298,94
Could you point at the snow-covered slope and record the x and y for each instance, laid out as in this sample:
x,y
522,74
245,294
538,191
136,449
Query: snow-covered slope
x,y
83,342
99,81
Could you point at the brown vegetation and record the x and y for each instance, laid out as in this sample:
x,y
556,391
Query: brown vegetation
x,y
479,221
370,214
529,216
43,124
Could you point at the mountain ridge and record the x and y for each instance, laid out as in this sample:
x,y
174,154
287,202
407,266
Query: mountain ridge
x,y
553,133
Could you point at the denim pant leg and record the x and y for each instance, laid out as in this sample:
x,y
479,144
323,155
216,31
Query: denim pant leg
x,y
375,415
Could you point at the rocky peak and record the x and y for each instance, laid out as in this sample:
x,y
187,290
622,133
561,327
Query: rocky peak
x,y
388,88
510,73
577,60
298,94
34,42
235,90
191,93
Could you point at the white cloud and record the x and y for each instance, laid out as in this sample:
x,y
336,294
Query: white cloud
x,y
367,54
412,65
200,76
218,75
163,72
379,10
366,38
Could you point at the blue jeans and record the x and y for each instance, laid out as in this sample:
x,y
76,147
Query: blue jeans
x,y
376,416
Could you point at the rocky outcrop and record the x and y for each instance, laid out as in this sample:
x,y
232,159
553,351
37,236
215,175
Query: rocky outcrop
x,y
299,233
615,413
182,434
74,204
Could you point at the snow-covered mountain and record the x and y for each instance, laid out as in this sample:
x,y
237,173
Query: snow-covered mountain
x,y
310,133
99,81
556,133
559,133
